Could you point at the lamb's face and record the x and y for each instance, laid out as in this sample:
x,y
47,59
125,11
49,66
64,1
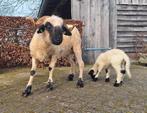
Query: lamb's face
x,y
55,27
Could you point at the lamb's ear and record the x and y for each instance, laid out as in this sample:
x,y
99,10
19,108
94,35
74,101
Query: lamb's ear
x,y
66,31
41,29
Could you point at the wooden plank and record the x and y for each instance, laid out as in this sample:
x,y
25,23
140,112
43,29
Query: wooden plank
x,y
132,28
75,9
128,50
105,24
128,46
131,7
131,37
127,40
132,13
132,18
130,23
98,23
113,24
118,1
131,33
85,17
92,27
144,1
135,1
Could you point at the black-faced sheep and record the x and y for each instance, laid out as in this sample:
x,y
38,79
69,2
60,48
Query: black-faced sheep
x,y
54,39
116,58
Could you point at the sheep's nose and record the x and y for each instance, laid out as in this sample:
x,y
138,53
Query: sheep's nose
x,y
57,41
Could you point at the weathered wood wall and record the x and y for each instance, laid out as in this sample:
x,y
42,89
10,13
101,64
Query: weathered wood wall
x,y
95,15
111,24
131,24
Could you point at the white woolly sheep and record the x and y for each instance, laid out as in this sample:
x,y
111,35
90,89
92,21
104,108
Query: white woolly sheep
x,y
54,39
116,58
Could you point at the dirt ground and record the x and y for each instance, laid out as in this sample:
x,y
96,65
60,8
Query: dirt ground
x,y
95,97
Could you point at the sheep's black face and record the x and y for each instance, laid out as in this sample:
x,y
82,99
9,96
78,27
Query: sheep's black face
x,y
56,35
56,32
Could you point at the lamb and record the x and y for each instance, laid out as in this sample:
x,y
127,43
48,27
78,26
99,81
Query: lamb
x,y
116,58
53,40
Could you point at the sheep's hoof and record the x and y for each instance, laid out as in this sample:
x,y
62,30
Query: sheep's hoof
x,y
95,79
91,73
50,86
107,80
70,77
80,83
117,84
27,91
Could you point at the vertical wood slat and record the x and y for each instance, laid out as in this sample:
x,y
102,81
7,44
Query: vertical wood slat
x,y
75,9
113,24
92,36
97,26
105,24
85,17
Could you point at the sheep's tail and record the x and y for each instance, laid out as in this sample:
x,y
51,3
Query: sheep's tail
x,y
125,66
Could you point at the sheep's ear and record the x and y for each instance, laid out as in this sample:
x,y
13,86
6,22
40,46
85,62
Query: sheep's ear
x,y
41,29
66,31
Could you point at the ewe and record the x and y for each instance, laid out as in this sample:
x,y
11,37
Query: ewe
x,y
53,40
115,58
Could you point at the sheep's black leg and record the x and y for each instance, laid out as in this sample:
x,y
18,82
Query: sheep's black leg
x,y
28,88
80,83
50,86
78,53
51,69
91,73
70,77
27,91
72,68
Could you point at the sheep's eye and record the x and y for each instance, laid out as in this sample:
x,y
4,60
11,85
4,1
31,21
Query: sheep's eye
x,y
41,29
48,26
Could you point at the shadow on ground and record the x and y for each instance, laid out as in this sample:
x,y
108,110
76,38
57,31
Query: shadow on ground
x,y
95,97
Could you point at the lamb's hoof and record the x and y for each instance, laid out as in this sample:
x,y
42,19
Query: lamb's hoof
x,y
91,73
27,91
107,80
80,83
95,79
117,84
70,77
49,86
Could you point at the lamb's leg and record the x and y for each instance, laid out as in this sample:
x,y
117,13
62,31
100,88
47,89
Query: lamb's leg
x,y
119,79
78,54
100,67
72,68
28,88
107,75
51,69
